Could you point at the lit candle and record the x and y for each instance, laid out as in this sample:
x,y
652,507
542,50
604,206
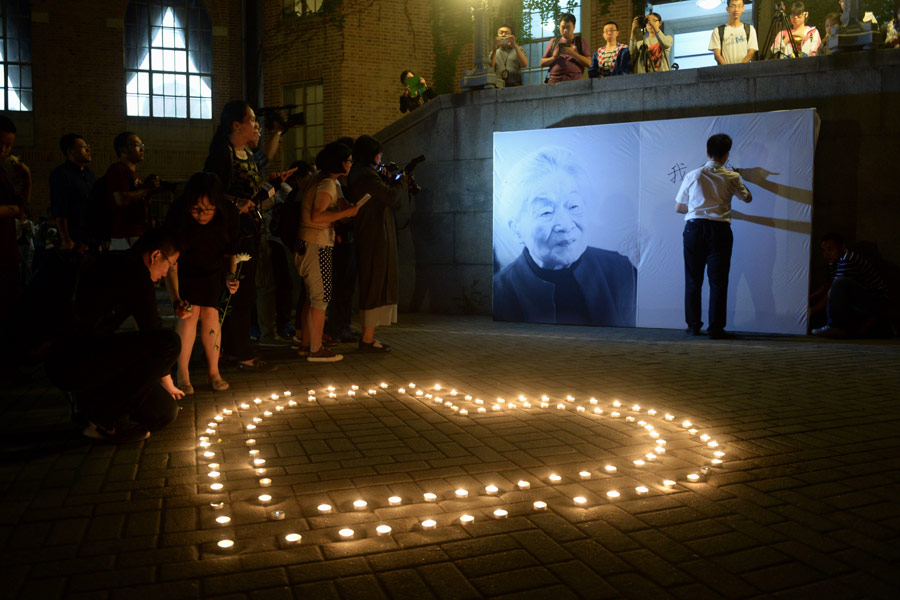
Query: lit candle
x,y
718,453
612,494
579,409
482,409
523,485
383,529
360,504
311,392
265,482
259,461
217,505
630,419
692,431
545,404
463,411
570,398
693,477
225,544
437,386
659,450
346,533
332,395
223,520
479,401
261,471
649,456
412,385
214,474
579,500
324,508
267,413
354,387
216,486
642,489
208,454
540,505
420,393
466,519
384,385
277,515
293,538
253,452
669,482
204,444
249,426
429,496
716,461
598,410
639,463
705,437
461,493
468,397
244,405
330,388
643,424
651,412
351,393
554,478
614,414
561,406
395,500
218,418
257,419
610,468
227,411
265,498
654,434
257,401
402,390
501,513
686,424
636,407
429,524
585,474
213,466
496,407
292,403
713,444
286,393
491,489
616,403
670,417
593,400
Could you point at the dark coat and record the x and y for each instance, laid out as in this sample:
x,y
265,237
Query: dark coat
x,y
375,233
607,279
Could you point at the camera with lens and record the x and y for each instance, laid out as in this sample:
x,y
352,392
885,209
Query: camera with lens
x,y
392,172
642,22
274,117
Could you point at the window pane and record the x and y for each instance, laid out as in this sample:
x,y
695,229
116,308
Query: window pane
x,y
207,108
158,106
170,106
158,84
143,83
181,108
195,107
156,59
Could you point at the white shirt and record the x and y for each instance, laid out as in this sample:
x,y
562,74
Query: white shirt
x,y
707,192
735,45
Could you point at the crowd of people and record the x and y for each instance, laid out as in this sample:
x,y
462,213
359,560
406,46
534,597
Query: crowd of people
x,y
223,251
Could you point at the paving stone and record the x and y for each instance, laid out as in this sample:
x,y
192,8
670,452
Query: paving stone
x,y
583,581
447,582
404,583
509,582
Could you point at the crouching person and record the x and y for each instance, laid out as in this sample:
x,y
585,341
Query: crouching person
x,y
121,381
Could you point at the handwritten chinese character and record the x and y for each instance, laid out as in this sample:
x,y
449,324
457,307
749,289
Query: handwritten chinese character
x,y
677,172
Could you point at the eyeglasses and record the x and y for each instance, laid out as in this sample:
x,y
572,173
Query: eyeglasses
x,y
349,160
136,145
85,147
172,265
203,211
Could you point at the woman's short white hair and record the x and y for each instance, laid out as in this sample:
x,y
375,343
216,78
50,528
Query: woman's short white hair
x,y
549,161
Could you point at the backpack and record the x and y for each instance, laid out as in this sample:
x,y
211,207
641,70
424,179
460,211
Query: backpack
x,y
97,217
576,42
721,30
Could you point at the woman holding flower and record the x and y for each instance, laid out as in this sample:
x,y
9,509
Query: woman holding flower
x,y
196,284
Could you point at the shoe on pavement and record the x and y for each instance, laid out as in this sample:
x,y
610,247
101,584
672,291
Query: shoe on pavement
x,y
323,354
257,366
124,432
371,348
694,331
830,332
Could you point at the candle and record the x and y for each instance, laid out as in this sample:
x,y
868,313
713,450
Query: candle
x,y
585,474
218,418
705,437
501,513
693,477
214,474
482,409
463,411
692,431
654,434
402,390
641,489
713,444
479,401
217,505
523,485
330,388
411,385
579,409
668,482
461,493
554,478
612,494
223,520
610,468
429,496
208,454
277,515
540,505
420,393
616,403
292,403
254,452
614,414
598,410
257,401
259,461
204,444
324,508
659,450
429,524
216,486
265,482
261,471
561,406
630,419
491,489
395,500
651,412
466,519
639,463
267,413
437,386
346,533
718,454
570,398
250,427
351,393
293,538
265,498
686,424
649,456
286,393
227,411
213,466
384,385
593,400
716,461
225,544
383,529
643,424
311,392
360,504
257,419
244,405
670,417
496,407
636,407
468,397
579,500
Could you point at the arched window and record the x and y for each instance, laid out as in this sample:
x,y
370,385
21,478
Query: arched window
x,y
15,55
168,59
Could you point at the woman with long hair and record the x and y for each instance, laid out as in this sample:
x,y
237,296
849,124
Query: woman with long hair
x,y
806,39
196,284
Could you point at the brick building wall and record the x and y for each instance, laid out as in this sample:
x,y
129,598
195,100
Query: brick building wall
x,y
79,85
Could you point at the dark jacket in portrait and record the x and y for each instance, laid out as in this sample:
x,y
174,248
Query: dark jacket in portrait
x,y
376,237
600,288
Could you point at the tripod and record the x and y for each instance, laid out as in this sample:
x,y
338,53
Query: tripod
x,y
643,57
779,23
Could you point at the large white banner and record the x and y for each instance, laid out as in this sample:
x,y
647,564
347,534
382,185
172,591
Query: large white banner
x,y
600,202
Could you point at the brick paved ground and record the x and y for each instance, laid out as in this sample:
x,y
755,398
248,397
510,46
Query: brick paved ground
x,y
805,504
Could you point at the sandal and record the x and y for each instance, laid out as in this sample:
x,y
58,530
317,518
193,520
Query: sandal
x,y
371,348
187,388
257,366
218,385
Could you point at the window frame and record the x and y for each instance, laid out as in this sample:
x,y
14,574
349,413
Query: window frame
x,y
315,118
534,73
23,61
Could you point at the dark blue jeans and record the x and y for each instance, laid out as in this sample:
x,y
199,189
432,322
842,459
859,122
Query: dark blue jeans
x,y
850,303
707,245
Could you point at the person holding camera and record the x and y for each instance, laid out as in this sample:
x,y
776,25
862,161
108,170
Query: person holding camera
x,y
566,55
650,46
231,157
613,58
128,196
416,91
508,59
378,261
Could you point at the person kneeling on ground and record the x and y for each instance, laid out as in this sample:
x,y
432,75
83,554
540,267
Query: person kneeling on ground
x,y
855,295
121,381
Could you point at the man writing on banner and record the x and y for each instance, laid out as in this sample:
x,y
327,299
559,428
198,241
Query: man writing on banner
x,y
705,201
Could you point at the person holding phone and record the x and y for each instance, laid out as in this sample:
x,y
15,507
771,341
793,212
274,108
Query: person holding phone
x,y
567,55
508,59
416,91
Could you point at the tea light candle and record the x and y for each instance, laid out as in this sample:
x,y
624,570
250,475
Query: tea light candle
x,y
204,444
429,496
482,409
669,482
249,426
713,444
461,493
496,407
330,388
540,505
384,385
561,406
429,524
501,513
324,508
642,489
643,424
654,434
218,418
523,485
402,390
649,456
468,397
718,454
412,385
636,407
616,403
705,437
585,474
579,500
265,482
437,386
277,515
254,452
265,498
279,408
466,519
261,471
395,500
214,474
686,424
225,544
570,398
692,431
383,529
420,393
593,400
651,412
259,461
670,417
227,412
479,401
693,477
257,401
216,487
213,466
491,489
244,405
639,463
292,403
257,419
332,395
598,410
286,393
360,504
579,409
610,468
209,454
267,413
554,478
659,450
351,393
293,538
217,505
223,520
463,411
346,533
612,494
716,461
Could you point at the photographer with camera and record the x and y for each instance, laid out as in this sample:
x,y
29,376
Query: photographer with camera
x,y
416,91
378,261
567,55
650,46
508,59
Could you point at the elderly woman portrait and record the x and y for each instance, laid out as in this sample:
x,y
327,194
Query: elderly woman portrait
x,y
558,277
